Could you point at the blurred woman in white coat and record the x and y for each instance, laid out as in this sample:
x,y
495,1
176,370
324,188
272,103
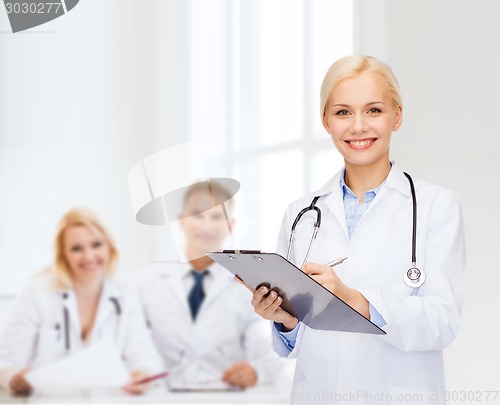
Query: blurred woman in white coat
x,y
73,304
367,215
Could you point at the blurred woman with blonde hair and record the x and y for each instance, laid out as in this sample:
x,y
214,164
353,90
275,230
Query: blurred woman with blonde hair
x,y
73,304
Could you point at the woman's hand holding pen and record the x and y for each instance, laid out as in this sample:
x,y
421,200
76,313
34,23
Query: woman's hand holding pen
x,y
140,381
327,277
135,386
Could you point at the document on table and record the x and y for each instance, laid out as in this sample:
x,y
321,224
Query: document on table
x,y
97,366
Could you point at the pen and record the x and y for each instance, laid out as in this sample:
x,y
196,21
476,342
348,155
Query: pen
x,y
151,378
335,262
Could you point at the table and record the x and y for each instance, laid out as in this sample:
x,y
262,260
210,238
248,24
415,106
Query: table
x,y
265,394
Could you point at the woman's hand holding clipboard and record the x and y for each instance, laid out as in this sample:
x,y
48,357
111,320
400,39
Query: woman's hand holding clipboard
x,y
267,304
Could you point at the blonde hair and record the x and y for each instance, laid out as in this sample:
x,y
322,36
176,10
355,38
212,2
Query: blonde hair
x,y
354,65
86,218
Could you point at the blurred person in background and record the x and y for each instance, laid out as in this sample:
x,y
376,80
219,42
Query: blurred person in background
x,y
72,304
200,318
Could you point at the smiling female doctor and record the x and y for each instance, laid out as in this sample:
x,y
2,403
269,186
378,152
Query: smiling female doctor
x,y
74,304
367,215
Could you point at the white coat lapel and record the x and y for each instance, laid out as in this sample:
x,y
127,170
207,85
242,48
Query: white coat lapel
x,y
107,308
172,278
396,180
334,200
334,197
221,281
73,323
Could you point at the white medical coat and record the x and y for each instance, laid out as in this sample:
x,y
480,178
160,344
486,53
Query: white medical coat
x,y
34,336
226,329
406,365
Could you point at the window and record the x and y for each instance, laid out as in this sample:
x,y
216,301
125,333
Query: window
x,y
256,69
241,78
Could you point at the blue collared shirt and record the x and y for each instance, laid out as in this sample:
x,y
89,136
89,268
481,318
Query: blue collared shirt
x,y
353,209
353,213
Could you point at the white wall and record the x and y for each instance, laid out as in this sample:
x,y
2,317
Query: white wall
x,y
83,98
112,77
446,56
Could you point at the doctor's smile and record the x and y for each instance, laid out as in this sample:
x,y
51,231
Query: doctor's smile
x,y
361,144
86,252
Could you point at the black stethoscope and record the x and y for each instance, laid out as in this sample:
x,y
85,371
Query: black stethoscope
x,y
67,339
413,277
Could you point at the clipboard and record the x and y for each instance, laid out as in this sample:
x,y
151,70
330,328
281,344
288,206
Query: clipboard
x,y
303,297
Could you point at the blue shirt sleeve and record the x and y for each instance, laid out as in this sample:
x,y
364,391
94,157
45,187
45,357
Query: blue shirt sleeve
x,y
289,338
376,317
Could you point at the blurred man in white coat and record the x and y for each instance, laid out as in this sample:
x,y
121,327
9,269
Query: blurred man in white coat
x,y
199,316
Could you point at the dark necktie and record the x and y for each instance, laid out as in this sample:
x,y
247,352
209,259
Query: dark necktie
x,y
196,295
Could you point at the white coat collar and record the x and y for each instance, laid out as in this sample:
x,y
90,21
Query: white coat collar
x,y
396,180
219,277
221,280
110,289
334,196
110,304
173,274
178,270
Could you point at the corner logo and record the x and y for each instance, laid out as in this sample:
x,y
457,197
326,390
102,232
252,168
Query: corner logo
x,y
26,14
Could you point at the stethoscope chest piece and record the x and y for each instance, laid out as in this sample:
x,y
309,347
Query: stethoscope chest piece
x,y
414,277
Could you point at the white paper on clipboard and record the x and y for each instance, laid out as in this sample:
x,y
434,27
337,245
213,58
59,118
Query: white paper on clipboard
x,y
303,297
